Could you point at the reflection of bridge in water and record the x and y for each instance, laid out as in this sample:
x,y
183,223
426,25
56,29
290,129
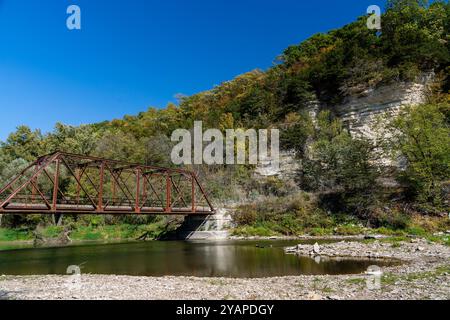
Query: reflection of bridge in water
x,y
64,183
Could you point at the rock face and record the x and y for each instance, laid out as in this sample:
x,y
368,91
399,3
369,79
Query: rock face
x,y
361,113
287,168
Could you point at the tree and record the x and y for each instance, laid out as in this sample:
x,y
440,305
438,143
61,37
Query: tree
x,y
121,146
340,167
23,143
299,128
414,34
422,136
11,169
79,140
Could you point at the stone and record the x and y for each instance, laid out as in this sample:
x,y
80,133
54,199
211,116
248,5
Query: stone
x,y
314,296
316,248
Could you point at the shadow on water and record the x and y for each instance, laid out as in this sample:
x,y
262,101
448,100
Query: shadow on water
x,y
240,259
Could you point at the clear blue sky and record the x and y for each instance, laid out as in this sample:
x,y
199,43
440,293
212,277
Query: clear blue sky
x,y
134,54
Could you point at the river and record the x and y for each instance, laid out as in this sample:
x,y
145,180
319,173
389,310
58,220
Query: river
x,y
238,259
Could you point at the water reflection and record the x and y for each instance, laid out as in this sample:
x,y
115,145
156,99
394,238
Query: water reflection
x,y
203,259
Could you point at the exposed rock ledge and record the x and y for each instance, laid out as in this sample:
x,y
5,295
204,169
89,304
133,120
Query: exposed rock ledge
x,y
416,249
360,113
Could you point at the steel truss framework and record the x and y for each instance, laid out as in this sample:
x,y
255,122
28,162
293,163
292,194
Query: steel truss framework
x,y
64,183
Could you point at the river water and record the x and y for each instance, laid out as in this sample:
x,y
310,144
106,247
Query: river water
x,y
240,259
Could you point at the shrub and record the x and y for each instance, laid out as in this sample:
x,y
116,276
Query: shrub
x,y
392,219
245,215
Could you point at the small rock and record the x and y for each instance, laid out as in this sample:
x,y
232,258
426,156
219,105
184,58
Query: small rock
x,y
316,248
314,296
420,248
290,249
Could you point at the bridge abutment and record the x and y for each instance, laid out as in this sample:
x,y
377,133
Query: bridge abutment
x,y
201,227
57,219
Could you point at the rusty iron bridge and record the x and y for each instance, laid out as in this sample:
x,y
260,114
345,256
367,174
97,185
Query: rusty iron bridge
x,y
64,183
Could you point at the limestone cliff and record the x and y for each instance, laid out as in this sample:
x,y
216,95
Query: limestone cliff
x,y
360,113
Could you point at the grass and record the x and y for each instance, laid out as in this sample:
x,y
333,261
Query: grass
x,y
87,233
15,235
396,245
115,232
356,281
419,227
391,279
52,231
257,231
217,282
444,239
267,229
327,290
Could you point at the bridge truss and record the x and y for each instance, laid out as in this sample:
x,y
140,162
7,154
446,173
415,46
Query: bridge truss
x,y
64,183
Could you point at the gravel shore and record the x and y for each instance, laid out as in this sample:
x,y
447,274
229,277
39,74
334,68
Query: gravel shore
x,y
425,274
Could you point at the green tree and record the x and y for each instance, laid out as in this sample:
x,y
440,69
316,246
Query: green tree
x,y
340,167
79,140
414,34
23,143
422,136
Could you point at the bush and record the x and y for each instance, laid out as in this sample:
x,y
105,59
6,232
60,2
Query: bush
x,y
291,215
245,215
393,219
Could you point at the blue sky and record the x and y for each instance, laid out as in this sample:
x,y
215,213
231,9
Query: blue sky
x,y
134,54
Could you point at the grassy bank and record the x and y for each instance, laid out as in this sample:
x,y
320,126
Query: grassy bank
x,y
300,215
346,230
86,233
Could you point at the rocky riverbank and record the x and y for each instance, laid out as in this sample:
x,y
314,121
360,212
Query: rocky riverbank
x,y
425,274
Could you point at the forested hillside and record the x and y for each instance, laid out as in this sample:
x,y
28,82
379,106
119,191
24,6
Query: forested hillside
x,y
340,182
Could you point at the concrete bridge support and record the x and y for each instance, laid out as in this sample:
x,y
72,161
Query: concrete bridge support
x,y
57,219
201,227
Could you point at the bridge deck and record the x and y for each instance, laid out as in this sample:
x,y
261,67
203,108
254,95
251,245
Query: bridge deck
x,y
118,210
